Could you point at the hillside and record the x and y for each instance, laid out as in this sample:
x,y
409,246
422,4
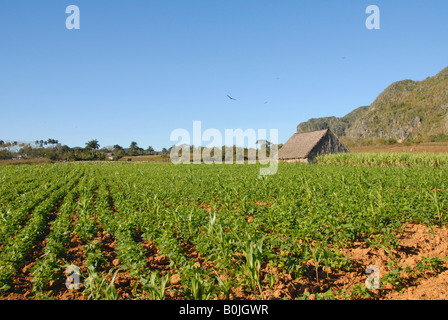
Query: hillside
x,y
338,125
411,111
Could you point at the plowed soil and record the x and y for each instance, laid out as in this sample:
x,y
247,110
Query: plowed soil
x,y
416,243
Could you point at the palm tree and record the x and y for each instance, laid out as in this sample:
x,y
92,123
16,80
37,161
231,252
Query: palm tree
x,y
117,147
133,145
93,144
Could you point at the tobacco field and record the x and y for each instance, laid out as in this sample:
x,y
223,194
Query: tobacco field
x,y
164,231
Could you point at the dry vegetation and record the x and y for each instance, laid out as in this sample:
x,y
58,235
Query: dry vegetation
x,y
149,158
429,147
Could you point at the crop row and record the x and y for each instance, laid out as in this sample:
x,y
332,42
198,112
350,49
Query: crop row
x,y
402,159
224,229
16,249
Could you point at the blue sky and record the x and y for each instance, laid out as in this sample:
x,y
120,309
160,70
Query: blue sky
x,y
136,70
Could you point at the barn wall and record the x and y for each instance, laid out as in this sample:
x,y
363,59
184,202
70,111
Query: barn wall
x,y
328,144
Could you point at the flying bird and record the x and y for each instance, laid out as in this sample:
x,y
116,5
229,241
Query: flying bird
x,y
231,98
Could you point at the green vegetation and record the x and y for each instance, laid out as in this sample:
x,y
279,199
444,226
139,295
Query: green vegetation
x,y
339,126
52,150
400,159
222,230
441,137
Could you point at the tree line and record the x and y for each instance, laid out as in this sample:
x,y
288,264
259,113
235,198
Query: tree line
x,y
52,149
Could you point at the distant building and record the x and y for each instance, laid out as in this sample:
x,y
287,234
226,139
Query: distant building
x,y
304,147
109,156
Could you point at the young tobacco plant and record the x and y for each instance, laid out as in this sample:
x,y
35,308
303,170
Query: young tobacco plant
x,y
155,285
97,287
253,253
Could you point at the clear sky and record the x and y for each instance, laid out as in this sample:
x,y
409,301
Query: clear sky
x,y
138,69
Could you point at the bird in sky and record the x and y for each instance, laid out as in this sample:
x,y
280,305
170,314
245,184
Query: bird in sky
x,y
231,98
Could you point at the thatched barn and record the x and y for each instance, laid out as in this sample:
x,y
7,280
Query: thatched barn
x,y
304,147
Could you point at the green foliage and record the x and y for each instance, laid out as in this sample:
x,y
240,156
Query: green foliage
x,y
155,285
360,291
396,278
97,287
222,228
5,154
92,144
338,126
433,264
200,288
399,159
253,253
94,255
441,137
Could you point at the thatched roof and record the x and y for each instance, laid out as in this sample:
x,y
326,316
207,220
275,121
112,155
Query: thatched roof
x,y
300,145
